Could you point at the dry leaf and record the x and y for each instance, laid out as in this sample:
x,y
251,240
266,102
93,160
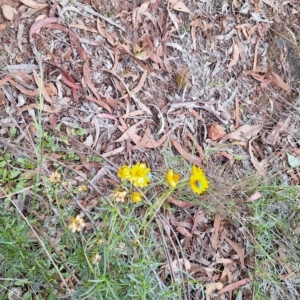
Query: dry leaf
x,y
243,133
179,6
259,166
34,4
238,249
234,285
217,223
183,231
235,56
2,26
180,203
129,132
211,287
279,82
254,197
216,132
189,157
8,12
282,125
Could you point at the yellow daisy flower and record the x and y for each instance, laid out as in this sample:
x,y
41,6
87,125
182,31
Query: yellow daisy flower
x,y
119,196
54,177
139,175
82,188
198,182
136,197
124,172
76,224
172,178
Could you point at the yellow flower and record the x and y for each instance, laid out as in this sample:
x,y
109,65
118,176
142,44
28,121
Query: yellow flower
x,y
76,224
124,172
139,175
136,197
172,178
119,196
198,182
54,177
82,188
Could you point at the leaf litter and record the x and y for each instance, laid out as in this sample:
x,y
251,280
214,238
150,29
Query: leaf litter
x,y
119,69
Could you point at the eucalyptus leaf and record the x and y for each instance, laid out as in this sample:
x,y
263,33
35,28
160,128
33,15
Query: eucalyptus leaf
x,y
293,161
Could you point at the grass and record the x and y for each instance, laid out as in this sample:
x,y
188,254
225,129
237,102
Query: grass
x,y
120,253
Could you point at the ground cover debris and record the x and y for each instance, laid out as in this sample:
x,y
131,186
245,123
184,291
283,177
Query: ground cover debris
x,y
149,149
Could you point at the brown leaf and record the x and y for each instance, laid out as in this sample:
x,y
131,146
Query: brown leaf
x,y
2,26
148,142
235,56
226,155
259,166
179,6
254,197
86,70
234,285
141,82
243,133
281,126
129,132
99,102
279,82
216,132
41,23
216,231
189,157
45,108
180,203
238,249
34,4
183,231
8,12
23,90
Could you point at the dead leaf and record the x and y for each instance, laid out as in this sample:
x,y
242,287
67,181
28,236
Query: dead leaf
x,y
259,166
217,223
254,197
211,287
34,4
23,90
243,133
226,155
129,132
234,285
279,82
83,27
235,56
189,157
148,142
180,203
216,132
179,6
141,82
8,12
238,249
281,126
183,231
100,103
45,108
2,26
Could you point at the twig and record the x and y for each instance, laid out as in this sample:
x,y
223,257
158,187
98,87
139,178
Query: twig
x,y
94,13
